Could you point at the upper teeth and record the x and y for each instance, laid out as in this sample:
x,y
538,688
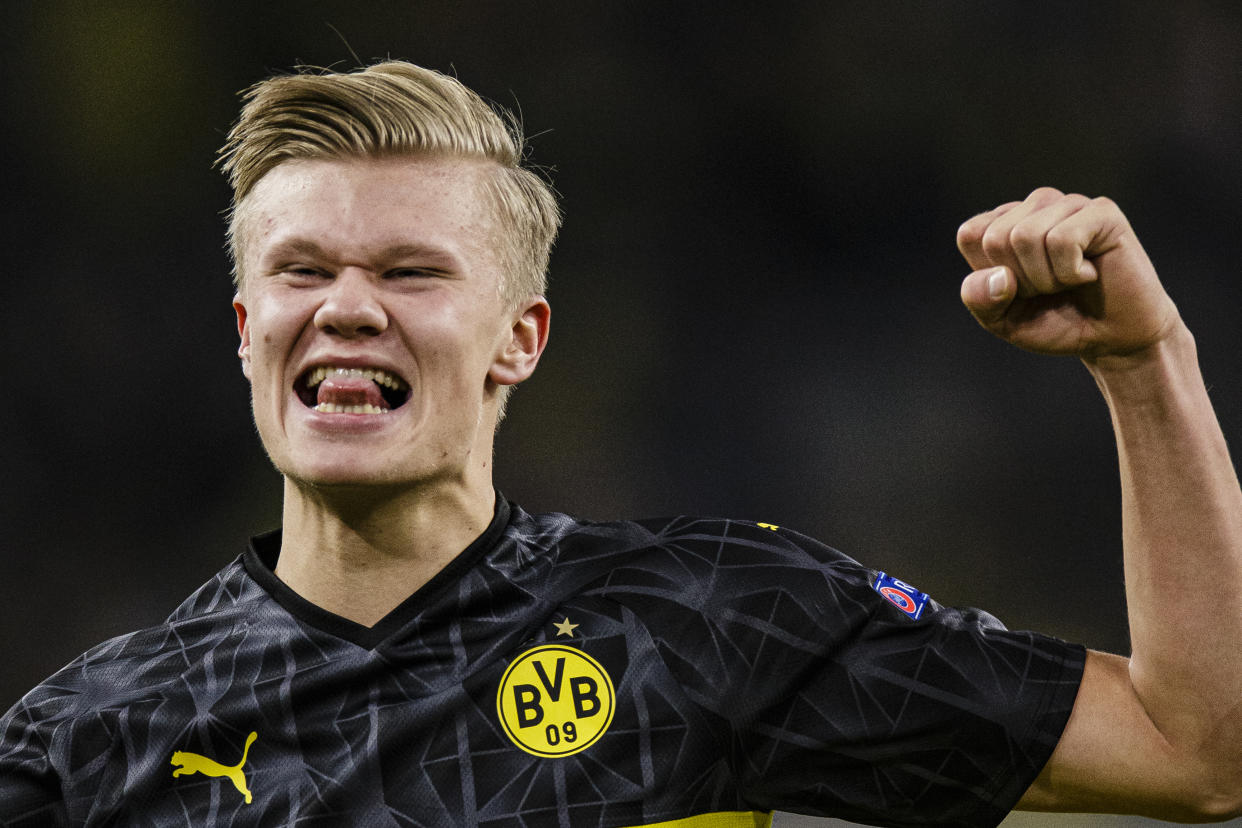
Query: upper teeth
x,y
384,378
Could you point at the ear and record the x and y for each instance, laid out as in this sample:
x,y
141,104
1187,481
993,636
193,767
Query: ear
x,y
520,350
243,331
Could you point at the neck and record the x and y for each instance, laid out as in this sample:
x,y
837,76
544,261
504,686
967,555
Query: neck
x,y
359,553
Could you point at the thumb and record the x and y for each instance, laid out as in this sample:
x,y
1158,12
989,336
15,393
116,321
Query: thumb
x,y
988,293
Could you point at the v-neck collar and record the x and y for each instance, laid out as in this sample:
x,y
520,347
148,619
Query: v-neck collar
x,y
264,550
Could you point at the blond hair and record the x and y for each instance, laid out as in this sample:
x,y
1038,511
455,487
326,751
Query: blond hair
x,y
390,109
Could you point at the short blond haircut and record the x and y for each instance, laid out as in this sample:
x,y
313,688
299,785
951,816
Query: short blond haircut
x,y
391,109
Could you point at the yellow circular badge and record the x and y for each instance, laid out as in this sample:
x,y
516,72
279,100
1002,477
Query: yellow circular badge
x,y
555,700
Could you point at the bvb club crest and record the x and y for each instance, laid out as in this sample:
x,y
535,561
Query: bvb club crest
x,y
555,700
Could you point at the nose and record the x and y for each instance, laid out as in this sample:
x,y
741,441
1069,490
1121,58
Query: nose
x,y
351,307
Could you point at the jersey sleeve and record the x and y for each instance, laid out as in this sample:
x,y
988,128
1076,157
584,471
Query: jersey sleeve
x,y
848,693
29,788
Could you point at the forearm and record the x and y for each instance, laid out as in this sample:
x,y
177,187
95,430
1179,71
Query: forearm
x,y
1182,530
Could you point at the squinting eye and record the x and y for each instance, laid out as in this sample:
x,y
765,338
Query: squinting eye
x,y
410,273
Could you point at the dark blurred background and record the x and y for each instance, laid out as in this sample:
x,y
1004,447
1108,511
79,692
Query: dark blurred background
x,y
755,293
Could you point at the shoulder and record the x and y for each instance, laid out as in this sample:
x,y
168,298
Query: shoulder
x,y
60,742
135,667
730,557
722,541
233,586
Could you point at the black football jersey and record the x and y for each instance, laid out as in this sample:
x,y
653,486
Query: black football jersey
x,y
683,672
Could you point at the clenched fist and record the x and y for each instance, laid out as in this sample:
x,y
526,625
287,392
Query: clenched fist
x,y
1064,274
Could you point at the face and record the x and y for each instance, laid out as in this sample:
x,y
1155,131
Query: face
x,y
373,331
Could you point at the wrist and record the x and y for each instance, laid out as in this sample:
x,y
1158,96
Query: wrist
x,y
1147,371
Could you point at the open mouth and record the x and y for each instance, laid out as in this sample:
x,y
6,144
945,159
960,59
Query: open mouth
x,y
335,390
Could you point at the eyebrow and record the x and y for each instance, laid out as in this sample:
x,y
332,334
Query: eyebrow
x,y
429,254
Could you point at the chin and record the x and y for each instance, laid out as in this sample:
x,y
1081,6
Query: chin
x,y
338,477
355,474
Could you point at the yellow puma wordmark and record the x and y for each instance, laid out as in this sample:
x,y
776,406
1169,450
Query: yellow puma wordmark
x,y
189,763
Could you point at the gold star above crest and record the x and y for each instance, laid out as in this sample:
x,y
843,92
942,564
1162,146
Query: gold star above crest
x,y
565,628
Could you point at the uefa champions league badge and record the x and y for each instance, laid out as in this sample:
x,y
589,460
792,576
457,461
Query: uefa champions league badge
x,y
901,595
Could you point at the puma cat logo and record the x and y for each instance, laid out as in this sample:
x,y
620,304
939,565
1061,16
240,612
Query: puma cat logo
x,y
195,763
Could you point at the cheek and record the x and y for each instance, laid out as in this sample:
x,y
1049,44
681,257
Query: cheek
x,y
264,369
262,352
272,324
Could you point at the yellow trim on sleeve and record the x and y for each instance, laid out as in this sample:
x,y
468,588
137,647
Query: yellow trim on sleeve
x,y
730,819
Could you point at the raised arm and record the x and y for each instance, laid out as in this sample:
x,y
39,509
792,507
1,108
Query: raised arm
x,y
1159,733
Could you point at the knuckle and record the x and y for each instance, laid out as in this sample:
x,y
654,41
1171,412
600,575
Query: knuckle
x,y
1043,194
995,242
970,231
965,234
1025,239
1060,236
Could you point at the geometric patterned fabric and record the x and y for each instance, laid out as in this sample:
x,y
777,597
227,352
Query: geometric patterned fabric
x,y
558,672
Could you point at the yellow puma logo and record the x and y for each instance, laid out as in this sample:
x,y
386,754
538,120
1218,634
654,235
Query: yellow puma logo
x,y
195,763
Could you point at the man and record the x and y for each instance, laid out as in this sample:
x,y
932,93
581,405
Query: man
x,y
411,649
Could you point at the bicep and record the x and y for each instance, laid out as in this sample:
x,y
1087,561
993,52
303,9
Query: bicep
x,y
1112,758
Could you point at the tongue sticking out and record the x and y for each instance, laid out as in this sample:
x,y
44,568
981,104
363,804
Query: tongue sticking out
x,y
350,391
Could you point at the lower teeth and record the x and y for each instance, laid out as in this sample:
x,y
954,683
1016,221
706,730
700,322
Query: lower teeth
x,y
365,408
